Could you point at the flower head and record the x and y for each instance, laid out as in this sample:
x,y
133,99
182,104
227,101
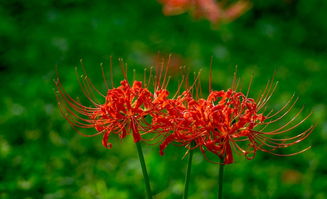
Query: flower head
x,y
229,121
122,112
124,109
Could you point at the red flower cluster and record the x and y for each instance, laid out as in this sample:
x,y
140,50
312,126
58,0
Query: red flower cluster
x,y
125,108
209,9
224,122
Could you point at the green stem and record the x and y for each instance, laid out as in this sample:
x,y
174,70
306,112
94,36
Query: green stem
x,y
145,173
188,172
220,179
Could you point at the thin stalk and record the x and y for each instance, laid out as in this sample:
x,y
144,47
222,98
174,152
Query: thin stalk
x,y
188,172
220,179
144,171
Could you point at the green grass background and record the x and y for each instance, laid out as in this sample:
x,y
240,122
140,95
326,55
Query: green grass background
x,y
41,156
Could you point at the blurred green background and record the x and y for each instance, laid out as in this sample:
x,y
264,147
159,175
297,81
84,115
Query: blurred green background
x,y
41,156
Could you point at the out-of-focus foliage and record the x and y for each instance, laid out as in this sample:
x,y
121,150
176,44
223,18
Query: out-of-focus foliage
x,y
41,156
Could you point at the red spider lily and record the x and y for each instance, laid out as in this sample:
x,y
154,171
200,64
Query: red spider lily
x,y
209,9
232,115
168,113
124,108
228,120
170,122
122,112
